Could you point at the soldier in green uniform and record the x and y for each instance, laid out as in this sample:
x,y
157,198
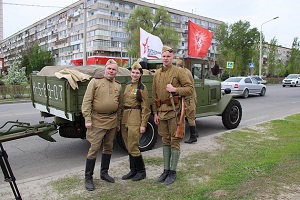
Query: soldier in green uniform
x,y
166,81
190,106
102,109
136,111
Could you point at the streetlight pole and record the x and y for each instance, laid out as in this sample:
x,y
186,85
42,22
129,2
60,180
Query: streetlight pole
x,y
260,44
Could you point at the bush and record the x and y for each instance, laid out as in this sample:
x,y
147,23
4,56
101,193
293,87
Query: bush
x,y
15,75
14,91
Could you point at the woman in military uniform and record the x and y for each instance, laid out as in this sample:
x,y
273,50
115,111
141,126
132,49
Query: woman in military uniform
x,y
136,112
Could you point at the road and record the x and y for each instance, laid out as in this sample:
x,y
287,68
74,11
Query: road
x,y
33,156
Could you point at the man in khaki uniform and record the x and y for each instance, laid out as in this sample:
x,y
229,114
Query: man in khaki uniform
x,y
190,105
101,108
169,79
136,113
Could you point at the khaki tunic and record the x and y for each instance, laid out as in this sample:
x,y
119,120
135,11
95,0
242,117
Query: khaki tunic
x,y
179,79
134,118
102,106
190,102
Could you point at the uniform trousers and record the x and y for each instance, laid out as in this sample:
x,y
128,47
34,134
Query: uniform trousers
x,y
167,130
190,106
95,136
131,136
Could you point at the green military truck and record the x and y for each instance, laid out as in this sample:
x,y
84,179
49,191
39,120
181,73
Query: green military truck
x,y
55,98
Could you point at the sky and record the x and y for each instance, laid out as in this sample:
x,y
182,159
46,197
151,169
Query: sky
x,y
256,12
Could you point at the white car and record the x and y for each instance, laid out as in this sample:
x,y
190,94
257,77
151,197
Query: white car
x,y
243,86
260,79
291,80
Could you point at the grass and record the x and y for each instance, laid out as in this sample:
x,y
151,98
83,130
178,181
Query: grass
x,y
253,163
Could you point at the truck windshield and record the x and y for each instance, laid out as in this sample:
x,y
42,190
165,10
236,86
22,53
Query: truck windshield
x,y
197,71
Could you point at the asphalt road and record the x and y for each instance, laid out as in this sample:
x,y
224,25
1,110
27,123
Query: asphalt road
x,y
33,156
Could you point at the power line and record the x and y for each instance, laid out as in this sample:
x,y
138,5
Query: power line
x,y
18,4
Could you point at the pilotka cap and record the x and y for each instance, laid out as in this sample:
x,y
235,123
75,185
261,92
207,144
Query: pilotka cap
x,y
111,61
136,65
166,48
179,63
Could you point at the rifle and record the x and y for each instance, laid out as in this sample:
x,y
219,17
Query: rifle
x,y
180,125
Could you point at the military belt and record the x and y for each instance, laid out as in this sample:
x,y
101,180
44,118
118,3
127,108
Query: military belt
x,y
132,107
108,113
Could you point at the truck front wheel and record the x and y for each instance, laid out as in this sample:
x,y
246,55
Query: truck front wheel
x,y
232,115
148,139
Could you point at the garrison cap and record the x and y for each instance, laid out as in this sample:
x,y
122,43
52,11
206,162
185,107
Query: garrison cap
x,y
136,65
166,48
111,61
179,63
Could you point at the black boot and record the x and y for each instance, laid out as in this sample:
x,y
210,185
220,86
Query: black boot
x,y
163,176
89,171
193,136
104,168
133,169
171,177
141,171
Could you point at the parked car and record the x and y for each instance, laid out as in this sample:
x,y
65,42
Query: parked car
x,y
291,80
260,79
243,86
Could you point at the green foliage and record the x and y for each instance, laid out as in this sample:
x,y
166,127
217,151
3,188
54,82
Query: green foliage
x,y
16,75
272,58
157,24
293,66
35,58
2,82
225,75
237,43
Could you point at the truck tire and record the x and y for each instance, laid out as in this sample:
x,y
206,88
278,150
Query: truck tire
x,y
148,139
232,115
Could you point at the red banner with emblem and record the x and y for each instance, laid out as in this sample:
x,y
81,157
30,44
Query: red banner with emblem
x,y
199,40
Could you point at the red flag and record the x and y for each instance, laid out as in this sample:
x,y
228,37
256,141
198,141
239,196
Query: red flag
x,y
199,40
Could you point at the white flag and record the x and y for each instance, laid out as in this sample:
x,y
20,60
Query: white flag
x,y
150,45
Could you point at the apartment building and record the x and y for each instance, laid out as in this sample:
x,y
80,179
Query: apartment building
x,y
62,32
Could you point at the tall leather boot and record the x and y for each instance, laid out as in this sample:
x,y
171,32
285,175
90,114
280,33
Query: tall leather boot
x,y
104,168
172,174
89,171
133,169
141,171
167,156
193,136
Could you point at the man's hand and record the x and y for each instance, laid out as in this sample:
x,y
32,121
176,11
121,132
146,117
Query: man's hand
x,y
171,88
88,125
156,120
142,130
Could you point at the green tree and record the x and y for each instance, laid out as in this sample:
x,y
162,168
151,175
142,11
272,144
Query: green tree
x,y
158,24
35,58
293,66
16,75
237,43
272,63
